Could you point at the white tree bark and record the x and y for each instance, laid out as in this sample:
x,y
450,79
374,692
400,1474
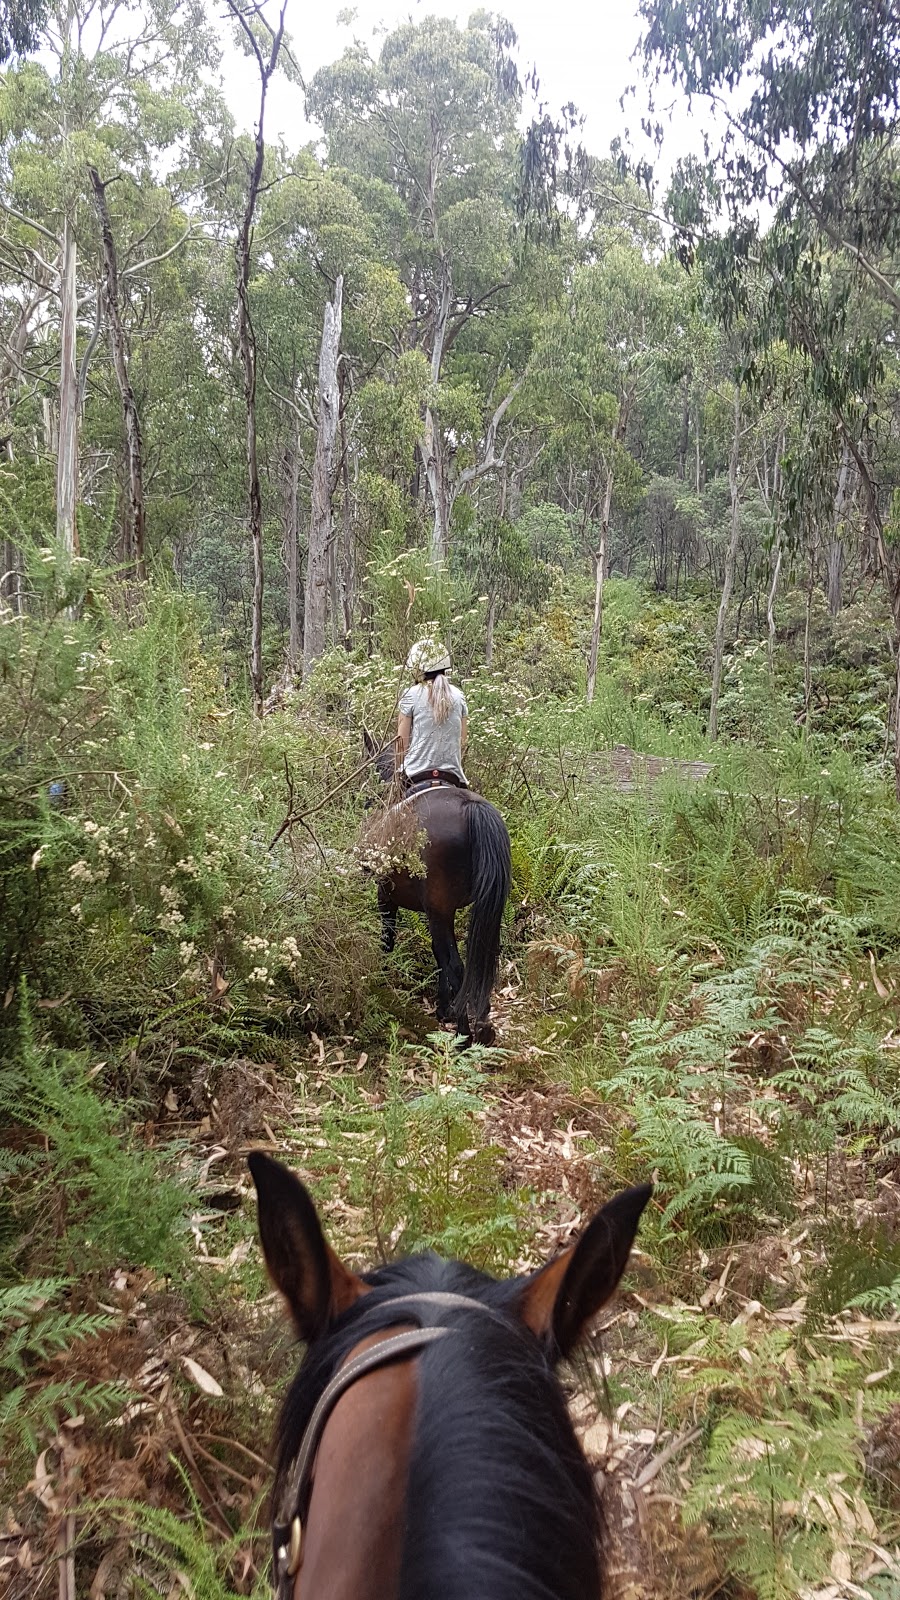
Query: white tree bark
x,y
316,599
67,450
730,561
432,447
599,581
835,555
292,552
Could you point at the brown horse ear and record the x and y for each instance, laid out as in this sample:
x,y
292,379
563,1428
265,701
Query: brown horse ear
x,y
558,1301
314,1281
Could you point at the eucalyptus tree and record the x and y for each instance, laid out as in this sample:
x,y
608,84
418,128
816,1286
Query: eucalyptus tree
x,y
262,41
806,97
432,121
327,304
113,90
594,362
20,26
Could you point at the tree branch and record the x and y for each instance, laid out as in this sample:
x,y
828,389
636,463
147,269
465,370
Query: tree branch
x,y
152,261
89,349
28,221
489,458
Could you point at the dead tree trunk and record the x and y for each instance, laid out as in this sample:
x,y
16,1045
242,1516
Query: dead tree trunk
x,y
292,552
347,575
67,450
118,348
316,607
246,335
730,561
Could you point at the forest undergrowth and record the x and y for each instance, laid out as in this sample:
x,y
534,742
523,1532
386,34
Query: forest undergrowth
x,y
700,983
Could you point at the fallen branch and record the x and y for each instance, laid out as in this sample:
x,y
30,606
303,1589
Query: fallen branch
x,y
665,1456
293,817
199,1481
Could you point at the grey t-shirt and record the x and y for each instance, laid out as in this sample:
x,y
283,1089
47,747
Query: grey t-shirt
x,y
433,744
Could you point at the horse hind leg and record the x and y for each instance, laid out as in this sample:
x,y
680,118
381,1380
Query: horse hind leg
x,y
387,911
449,962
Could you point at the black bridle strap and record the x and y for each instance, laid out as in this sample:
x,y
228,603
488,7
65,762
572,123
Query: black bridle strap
x,y
294,1498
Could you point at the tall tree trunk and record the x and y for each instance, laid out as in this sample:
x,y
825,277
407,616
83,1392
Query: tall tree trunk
x,y
730,560
347,574
316,607
807,627
247,341
685,434
599,578
770,606
435,464
432,446
118,346
247,338
834,560
489,632
67,449
835,554
292,553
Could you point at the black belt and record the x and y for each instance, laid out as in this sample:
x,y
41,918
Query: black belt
x,y
434,778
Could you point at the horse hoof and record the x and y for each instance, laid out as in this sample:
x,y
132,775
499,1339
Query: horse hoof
x,y
484,1033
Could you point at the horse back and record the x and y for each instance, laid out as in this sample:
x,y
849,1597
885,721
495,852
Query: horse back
x,y
441,814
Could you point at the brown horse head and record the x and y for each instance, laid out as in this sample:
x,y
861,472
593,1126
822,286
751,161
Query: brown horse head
x,y
382,756
425,1447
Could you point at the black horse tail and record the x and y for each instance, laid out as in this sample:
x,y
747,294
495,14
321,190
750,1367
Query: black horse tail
x,y
491,879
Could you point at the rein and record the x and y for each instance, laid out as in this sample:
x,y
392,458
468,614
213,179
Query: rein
x,y
293,1501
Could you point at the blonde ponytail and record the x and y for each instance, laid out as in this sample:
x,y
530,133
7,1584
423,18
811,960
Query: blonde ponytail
x,y
440,697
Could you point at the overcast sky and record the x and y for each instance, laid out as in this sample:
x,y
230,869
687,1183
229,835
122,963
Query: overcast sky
x,y
581,48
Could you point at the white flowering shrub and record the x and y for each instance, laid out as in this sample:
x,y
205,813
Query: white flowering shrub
x,y
137,808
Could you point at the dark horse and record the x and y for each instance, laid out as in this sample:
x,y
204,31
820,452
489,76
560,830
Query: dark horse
x,y
424,1450
467,862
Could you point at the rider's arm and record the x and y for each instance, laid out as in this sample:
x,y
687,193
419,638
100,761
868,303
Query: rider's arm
x,y
404,729
464,738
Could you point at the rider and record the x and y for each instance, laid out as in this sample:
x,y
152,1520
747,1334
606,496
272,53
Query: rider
x,y
433,725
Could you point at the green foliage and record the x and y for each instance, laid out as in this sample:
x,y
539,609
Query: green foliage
x,y
781,1485
701,962
35,1331
89,1193
422,1167
166,1541
156,873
